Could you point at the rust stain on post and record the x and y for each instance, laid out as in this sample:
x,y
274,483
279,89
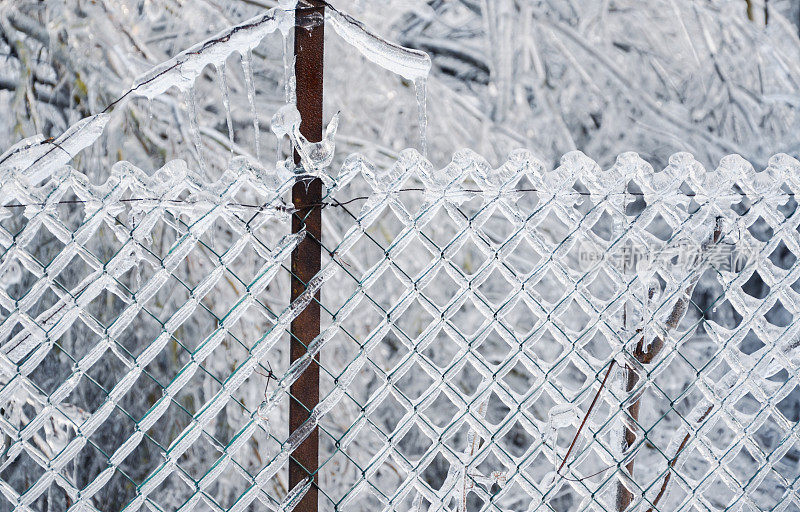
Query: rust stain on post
x,y
306,258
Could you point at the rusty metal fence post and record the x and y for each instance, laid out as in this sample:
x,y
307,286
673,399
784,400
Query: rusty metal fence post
x,y
306,258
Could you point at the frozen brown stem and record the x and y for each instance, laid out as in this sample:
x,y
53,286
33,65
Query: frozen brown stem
x,y
647,355
672,462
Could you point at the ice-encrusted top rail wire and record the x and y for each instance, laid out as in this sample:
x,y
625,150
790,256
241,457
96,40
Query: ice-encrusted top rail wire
x,y
286,209
576,193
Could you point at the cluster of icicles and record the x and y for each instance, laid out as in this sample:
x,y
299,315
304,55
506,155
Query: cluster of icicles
x,y
36,158
182,71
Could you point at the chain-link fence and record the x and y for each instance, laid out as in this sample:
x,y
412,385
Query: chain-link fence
x,y
492,339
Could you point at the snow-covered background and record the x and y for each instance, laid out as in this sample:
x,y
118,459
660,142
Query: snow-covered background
x,y
551,76
602,77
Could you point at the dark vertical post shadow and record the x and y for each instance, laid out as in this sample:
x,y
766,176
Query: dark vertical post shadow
x,y
306,258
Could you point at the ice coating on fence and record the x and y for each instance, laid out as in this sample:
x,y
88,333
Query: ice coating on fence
x,y
472,313
36,158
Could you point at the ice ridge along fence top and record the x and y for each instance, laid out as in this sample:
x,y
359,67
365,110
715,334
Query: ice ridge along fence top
x,y
517,338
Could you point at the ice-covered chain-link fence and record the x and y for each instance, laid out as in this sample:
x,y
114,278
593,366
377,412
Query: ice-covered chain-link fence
x,y
493,339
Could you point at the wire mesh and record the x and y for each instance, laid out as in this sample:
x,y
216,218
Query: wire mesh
x,y
517,338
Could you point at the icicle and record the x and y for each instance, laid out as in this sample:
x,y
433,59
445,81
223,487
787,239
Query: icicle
x,y
285,24
287,67
292,89
194,127
226,101
247,65
422,114
416,505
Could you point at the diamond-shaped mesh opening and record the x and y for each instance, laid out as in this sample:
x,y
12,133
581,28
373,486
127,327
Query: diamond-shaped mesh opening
x,y
386,291
467,379
44,246
498,228
442,411
782,257
171,424
142,459
387,414
413,321
106,307
197,390
174,491
388,352
338,475
442,230
468,318
517,440
573,317
23,473
602,286
761,230
547,345
365,445
411,267
17,279
787,467
789,407
145,392
570,379
49,301
496,411
519,378
496,288
369,250
413,445
442,289
778,315
469,257
548,288
435,472
74,273
52,371
414,383
105,243
226,492
524,258
494,347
